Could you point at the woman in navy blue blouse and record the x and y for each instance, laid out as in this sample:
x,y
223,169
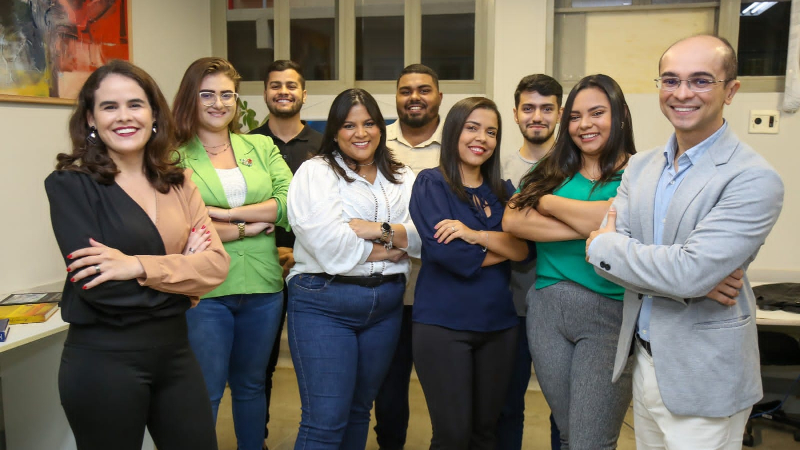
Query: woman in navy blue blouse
x,y
464,329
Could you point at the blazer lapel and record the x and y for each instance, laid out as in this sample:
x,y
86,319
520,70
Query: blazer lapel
x,y
247,159
206,178
698,177
647,184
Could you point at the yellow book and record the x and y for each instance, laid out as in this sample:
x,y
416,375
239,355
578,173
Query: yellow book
x,y
33,313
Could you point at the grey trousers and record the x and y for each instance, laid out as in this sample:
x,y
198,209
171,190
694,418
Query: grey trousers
x,y
572,333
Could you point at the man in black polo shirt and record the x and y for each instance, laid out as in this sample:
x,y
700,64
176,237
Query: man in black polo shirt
x,y
285,94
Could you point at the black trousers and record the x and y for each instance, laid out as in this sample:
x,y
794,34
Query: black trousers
x,y
391,404
115,381
465,377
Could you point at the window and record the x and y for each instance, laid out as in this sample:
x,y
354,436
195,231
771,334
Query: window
x,y
585,30
250,37
313,38
448,43
764,38
380,48
362,43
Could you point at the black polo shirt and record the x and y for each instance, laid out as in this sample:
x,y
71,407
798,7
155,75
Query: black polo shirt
x,y
295,152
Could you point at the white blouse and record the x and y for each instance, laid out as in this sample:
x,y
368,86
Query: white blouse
x,y
320,205
234,185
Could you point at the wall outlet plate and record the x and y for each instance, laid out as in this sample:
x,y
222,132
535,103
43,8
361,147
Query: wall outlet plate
x,y
764,121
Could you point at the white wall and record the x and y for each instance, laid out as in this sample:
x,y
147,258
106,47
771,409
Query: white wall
x,y
166,36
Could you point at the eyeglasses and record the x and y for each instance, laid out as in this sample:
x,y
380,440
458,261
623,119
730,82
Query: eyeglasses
x,y
210,98
695,84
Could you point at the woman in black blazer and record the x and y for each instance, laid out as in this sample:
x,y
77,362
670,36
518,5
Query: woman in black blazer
x,y
139,248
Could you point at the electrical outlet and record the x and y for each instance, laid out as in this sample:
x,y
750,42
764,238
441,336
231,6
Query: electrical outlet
x,y
764,121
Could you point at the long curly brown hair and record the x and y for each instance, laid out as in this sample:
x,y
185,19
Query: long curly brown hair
x,y
91,156
565,159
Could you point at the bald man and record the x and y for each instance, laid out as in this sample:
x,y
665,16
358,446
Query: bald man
x,y
686,216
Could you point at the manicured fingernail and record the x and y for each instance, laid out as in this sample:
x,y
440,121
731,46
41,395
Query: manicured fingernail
x,y
209,239
69,270
192,230
69,256
72,279
203,227
84,288
208,232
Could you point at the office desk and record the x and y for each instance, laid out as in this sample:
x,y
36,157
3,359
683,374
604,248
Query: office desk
x,y
32,413
777,318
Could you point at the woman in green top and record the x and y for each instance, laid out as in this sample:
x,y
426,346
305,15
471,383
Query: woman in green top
x,y
243,181
574,315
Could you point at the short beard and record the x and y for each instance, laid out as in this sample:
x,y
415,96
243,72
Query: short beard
x,y
539,140
416,122
285,114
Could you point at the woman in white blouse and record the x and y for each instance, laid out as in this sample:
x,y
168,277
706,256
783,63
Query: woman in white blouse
x,y
348,208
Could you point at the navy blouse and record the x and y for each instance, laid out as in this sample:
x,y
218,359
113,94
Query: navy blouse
x,y
453,290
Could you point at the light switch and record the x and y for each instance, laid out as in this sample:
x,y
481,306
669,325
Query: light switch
x,y
764,121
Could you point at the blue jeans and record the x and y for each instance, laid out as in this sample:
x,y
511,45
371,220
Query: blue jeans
x,y
342,338
232,336
391,404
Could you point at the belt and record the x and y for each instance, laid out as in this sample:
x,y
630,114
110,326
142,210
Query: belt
x,y
645,344
374,280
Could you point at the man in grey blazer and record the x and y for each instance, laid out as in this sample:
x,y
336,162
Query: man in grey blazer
x,y
685,216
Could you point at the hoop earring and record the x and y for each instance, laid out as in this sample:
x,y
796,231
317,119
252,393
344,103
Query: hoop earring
x,y
91,139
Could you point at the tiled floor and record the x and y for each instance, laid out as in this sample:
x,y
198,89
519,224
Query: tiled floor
x,y
286,416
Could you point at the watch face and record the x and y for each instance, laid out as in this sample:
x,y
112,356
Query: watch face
x,y
385,227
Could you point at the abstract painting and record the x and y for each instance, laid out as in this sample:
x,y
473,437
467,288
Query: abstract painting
x,y
49,47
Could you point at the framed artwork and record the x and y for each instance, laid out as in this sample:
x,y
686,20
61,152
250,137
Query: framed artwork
x,y
49,47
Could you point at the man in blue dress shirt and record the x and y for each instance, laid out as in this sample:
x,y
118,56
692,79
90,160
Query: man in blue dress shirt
x,y
686,216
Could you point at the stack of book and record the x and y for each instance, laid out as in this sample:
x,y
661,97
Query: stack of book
x,y
28,308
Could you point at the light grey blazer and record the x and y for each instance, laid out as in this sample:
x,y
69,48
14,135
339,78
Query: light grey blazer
x,y
705,354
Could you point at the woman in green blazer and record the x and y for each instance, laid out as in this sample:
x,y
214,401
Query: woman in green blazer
x,y
243,180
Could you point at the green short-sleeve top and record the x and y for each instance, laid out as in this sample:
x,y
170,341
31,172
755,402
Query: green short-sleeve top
x,y
566,260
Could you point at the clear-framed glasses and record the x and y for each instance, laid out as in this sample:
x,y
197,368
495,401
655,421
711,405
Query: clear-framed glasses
x,y
208,98
695,84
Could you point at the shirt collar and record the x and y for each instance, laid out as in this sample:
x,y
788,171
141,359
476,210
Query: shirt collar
x,y
395,133
695,152
301,136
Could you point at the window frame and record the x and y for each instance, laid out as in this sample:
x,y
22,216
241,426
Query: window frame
x,y
727,26
346,53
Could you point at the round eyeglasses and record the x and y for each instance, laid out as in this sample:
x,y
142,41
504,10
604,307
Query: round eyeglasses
x,y
208,98
695,84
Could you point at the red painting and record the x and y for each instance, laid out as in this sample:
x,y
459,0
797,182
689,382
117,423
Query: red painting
x,y
49,47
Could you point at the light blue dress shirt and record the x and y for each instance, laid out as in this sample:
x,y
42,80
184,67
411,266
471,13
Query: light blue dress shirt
x,y
667,185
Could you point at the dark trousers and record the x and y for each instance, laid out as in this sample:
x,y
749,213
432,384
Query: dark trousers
x,y
465,377
391,405
111,392
512,418
273,357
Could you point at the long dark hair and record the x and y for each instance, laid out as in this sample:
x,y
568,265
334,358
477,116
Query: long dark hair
x,y
565,159
450,159
185,104
342,104
91,156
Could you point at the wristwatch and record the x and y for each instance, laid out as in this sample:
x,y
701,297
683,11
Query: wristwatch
x,y
241,229
387,235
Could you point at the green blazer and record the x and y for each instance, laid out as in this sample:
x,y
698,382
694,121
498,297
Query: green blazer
x,y
254,260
